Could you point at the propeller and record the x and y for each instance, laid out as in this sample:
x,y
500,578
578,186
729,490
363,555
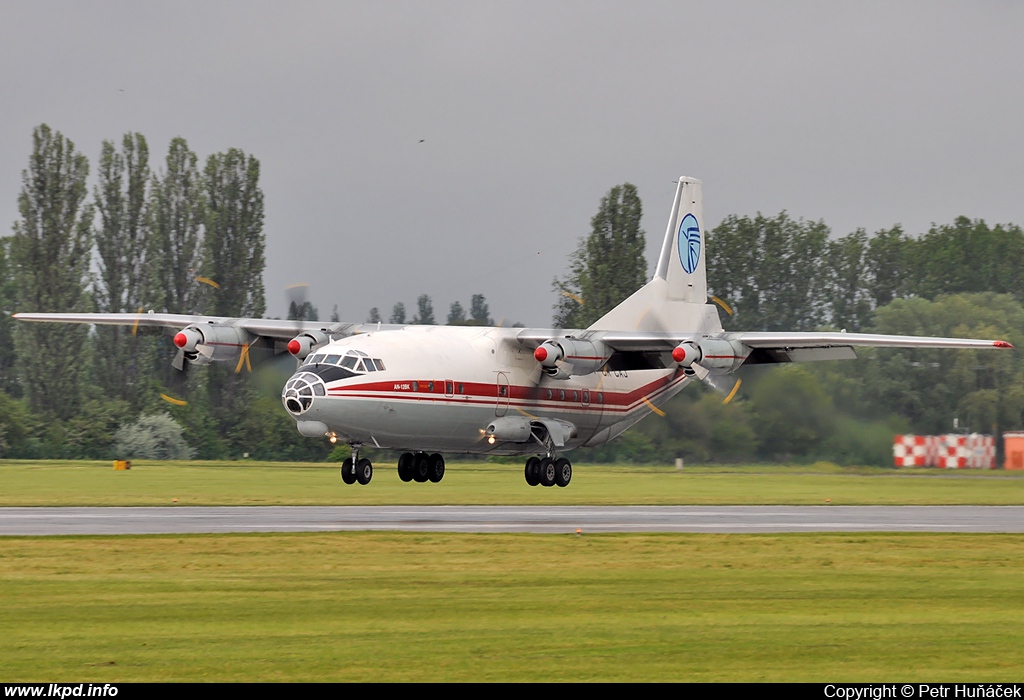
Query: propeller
x,y
721,383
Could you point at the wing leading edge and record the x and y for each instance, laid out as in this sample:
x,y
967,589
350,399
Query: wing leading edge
x,y
267,327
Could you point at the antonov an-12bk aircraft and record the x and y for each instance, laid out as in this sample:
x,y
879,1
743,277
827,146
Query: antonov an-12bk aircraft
x,y
429,390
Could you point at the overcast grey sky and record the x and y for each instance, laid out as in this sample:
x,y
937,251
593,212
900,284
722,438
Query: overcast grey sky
x,y
861,114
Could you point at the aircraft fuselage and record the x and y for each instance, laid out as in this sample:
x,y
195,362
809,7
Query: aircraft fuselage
x,y
436,388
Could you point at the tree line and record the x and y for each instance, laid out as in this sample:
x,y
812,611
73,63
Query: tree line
x,y
179,238
188,238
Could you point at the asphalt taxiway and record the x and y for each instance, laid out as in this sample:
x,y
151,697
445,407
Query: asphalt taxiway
x,y
539,519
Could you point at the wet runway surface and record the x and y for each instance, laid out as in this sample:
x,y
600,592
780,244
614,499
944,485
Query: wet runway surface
x,y
540,519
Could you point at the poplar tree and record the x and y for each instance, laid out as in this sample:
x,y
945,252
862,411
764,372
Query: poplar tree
x,y
50,254
126,276
425,315
608,265
397,313
479,312
234,234
177,210
234,245
456,314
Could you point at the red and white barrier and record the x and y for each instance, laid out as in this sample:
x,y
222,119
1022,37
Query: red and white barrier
x,y
981,452
910,450
945,451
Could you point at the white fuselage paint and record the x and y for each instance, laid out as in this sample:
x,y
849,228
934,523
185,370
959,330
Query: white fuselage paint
x,y
442,385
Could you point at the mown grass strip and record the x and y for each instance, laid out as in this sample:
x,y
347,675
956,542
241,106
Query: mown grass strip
x,y
426,607
252,483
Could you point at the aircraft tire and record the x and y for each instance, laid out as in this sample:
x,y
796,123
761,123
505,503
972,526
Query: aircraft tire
x,y
364,471
347,474
547,472
533,471
436,472
405,463
563,472
421,467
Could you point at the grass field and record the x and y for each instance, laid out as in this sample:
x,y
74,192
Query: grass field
x,y
424,607
254,483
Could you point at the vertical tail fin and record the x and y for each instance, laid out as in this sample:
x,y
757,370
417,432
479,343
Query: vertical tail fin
x,y
676,297
681,263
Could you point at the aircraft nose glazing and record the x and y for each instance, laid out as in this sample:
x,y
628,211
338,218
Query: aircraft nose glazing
x,y
299,392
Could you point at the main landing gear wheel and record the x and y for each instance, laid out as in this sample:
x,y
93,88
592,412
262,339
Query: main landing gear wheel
x,y
364,471
533,471
421,467
405,463
563,472
348,475
435,468
547,472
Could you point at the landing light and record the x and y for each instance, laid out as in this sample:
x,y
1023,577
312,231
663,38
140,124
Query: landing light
x,y
333,438
490,439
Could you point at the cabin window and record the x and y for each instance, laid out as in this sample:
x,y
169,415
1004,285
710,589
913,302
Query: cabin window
x,y
600,397
561,394
461,390
415,386
586,397
550,394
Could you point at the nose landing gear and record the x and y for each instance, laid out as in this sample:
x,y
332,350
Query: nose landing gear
x,y
354,469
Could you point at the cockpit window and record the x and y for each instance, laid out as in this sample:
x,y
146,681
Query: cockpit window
x,y
332,359
348,362
380,365
370,367
316,359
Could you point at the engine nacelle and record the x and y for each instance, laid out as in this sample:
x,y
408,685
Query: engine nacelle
x,y
719,356
561,358
206,343
306,342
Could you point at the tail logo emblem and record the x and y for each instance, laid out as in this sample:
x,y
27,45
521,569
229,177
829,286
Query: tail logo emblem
x,y
689,243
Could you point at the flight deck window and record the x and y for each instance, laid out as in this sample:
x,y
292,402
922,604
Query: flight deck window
x,y
369,366
332,359
380,365
348,362
317,359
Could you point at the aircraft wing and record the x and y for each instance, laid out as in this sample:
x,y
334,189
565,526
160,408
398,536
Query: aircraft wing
x,y
277,329
759,347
